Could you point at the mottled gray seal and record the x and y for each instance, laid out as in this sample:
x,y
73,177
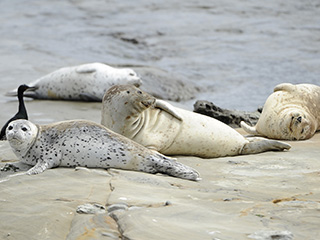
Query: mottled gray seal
x,y
84,143
291,112
159,126
87,82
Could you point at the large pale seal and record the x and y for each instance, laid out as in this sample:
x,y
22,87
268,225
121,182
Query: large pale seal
x,y
291,112
87,82
84,143
158,125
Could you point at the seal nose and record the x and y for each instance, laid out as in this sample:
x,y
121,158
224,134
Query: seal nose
x,y
137,82
299,119
148,103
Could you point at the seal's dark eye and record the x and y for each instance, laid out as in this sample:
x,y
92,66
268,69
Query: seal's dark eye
x,y
139,92
131,74
128,92
24,129
10,127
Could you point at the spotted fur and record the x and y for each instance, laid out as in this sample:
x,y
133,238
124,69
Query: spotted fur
x,y
87,82
83,143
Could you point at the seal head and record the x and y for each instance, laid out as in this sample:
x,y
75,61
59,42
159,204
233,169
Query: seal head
x,y
290,113
21,135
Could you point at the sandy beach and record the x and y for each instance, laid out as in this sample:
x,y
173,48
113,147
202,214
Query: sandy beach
x,y
231,52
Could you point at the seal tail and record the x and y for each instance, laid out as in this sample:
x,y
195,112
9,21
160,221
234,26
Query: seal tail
x,y
249,129
30,92
163,164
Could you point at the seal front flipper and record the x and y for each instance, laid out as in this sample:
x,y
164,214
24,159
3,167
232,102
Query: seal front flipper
x,y
52,160
168,108
86,69
249,129
41,166
284,87
38,168
89,97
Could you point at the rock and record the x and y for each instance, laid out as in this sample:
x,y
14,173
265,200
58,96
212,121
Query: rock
x,y
117,206
229,117
91,208
272,235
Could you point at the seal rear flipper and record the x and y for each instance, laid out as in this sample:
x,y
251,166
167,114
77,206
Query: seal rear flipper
x,y
163,164
28,93
258,145
249,129
89,97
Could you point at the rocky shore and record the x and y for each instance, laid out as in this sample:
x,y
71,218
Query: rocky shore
x,y
273,195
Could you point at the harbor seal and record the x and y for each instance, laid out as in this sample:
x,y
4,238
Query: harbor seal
x,y
22,111
88,144
87,82
174,131
291,112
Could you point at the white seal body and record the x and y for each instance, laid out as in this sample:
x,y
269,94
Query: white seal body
x,y
87,82
158,125
291,112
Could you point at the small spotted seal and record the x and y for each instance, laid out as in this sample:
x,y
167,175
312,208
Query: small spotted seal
x,y
87,82
170,130
84,143
291,112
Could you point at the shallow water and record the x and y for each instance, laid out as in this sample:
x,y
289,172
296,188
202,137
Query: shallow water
x,y
236,50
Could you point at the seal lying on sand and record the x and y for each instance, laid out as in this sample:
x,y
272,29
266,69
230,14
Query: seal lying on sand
x,y
291,112
159,126
84,143
87,82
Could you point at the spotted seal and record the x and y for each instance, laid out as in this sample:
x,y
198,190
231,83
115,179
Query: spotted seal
x,y
84,143
160,126
291,112
87,82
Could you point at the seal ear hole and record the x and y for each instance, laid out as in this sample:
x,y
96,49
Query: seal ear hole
x,y
128,92
10,127
24,129
139,92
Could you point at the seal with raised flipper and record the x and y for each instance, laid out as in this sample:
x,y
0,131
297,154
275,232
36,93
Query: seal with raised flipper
x,y
87,144
291,112
86,82
158,125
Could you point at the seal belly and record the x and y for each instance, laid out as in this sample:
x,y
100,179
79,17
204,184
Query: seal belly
x,y
158,131
205,137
